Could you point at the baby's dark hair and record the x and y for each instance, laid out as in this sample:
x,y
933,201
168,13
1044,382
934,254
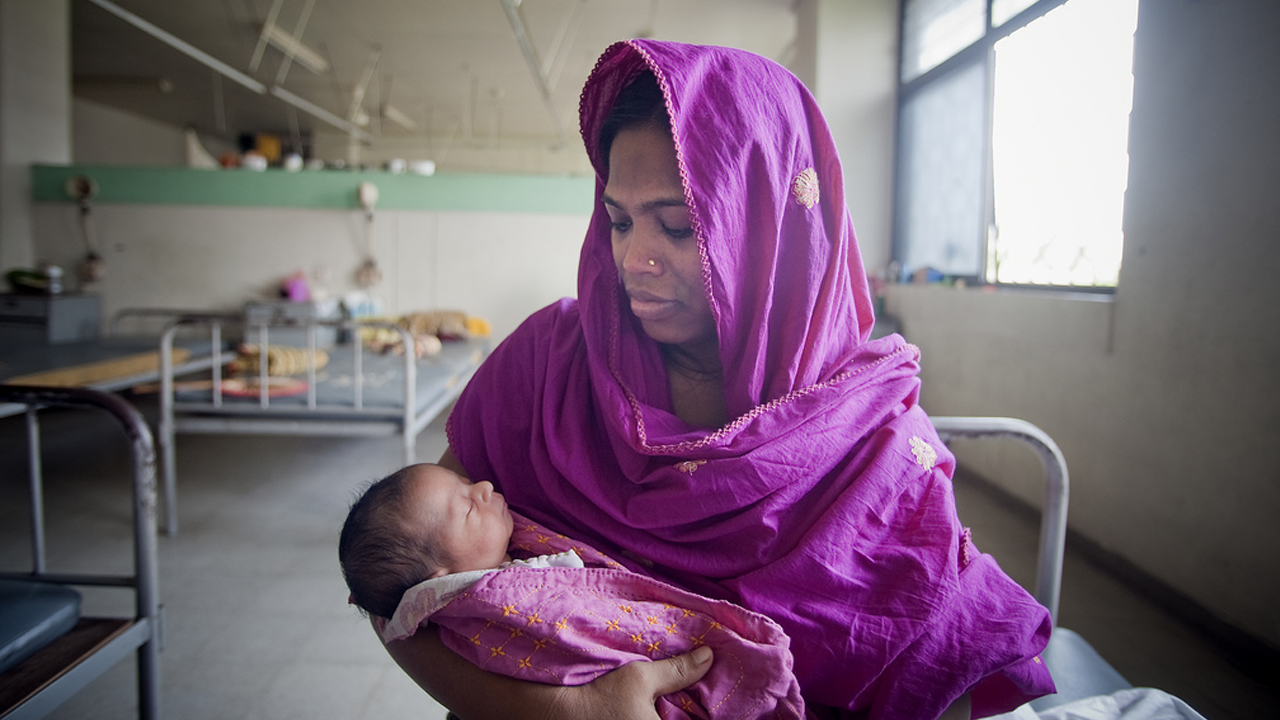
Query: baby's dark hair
x,y
640,104
381,553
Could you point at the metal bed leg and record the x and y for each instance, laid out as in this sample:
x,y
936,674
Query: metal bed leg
x,y
167,431
170,486
410,452
148,570
37,491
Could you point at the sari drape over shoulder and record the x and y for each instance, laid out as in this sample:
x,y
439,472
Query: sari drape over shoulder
x,y
826,501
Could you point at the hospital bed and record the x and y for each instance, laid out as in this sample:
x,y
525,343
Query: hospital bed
x,y
112,363
48,651
355,391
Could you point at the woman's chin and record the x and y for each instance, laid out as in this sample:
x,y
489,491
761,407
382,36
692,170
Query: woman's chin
x,y
664,333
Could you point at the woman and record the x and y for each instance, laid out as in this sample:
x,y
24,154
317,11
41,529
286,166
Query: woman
x,y
711,409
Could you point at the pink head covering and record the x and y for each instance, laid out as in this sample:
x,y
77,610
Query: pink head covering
x,y
825,502
766,195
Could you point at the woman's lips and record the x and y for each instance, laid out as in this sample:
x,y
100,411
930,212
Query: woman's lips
x,y
648,306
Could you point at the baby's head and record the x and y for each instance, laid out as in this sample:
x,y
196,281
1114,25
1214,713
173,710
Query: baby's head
x,y
420,522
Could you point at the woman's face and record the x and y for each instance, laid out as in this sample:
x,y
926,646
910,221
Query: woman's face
x,y
473,521
654,246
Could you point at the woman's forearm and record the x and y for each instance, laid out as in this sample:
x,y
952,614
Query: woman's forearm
x,y
626,693
462,687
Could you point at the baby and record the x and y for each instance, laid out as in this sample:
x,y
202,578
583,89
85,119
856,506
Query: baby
x,y
426,545
421,522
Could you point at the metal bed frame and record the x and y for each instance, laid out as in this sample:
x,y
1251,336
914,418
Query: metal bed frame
x,y
1053,519
352,416
1078,670
141,634
69,356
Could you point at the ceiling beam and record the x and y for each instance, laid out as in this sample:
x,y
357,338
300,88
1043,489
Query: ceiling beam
x,y
520,29
182,46
319,112
226,70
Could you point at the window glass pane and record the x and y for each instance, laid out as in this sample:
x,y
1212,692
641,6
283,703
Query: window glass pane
x,y
1002,10
934,30
940,191
1063,90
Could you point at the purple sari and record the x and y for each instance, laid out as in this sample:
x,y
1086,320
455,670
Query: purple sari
x,y
826,503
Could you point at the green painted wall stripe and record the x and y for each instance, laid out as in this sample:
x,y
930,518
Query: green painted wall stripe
x,y
334,189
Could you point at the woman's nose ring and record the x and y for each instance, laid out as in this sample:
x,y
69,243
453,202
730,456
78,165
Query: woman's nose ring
x,y
652,263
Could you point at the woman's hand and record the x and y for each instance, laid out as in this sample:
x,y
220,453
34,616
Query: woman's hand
x,y
474,694
631,691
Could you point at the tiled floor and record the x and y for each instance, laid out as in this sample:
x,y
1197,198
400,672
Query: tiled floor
x,y
256,620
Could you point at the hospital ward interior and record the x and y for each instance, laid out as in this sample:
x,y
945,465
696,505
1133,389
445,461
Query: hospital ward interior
x,y
254,250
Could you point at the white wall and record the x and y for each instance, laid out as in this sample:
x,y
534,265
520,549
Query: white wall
x,y
104,135
35,118
499,266
1164,401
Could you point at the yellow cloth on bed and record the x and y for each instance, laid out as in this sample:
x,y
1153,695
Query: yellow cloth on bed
x,y
90,373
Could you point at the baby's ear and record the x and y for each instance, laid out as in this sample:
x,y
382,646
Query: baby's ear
x,y
441,572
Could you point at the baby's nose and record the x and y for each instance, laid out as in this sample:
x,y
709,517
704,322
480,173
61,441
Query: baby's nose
x,y
484,489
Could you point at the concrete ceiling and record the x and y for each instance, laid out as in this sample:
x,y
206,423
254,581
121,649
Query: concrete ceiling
x,y
453,68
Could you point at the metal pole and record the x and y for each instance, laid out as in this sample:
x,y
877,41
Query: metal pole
x,y
37,491
145,561
167,430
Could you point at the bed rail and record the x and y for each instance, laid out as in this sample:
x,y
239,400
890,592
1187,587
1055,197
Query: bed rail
x,y
1053,518
38,685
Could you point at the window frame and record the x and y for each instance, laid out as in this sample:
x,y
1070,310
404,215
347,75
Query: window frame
x,y
981,52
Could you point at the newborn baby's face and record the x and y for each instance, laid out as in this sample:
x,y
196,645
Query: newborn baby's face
x,y
473,521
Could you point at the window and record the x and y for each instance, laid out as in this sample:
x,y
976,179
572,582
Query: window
x,y
1012,160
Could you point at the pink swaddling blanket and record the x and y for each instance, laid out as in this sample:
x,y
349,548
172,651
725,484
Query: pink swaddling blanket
x,y
568,626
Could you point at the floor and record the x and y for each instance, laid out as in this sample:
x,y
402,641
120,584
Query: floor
x,y
257,624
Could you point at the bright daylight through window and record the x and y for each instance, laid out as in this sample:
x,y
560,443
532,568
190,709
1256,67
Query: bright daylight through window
x,y
1013,155
1060,134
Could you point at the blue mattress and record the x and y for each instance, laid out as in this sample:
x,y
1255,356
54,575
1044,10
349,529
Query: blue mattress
x,y
32,615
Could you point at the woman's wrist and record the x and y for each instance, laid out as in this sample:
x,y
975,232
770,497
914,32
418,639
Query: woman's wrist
x,y
476,694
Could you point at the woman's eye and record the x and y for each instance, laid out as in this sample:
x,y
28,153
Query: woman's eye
x,y
621,226
678,233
